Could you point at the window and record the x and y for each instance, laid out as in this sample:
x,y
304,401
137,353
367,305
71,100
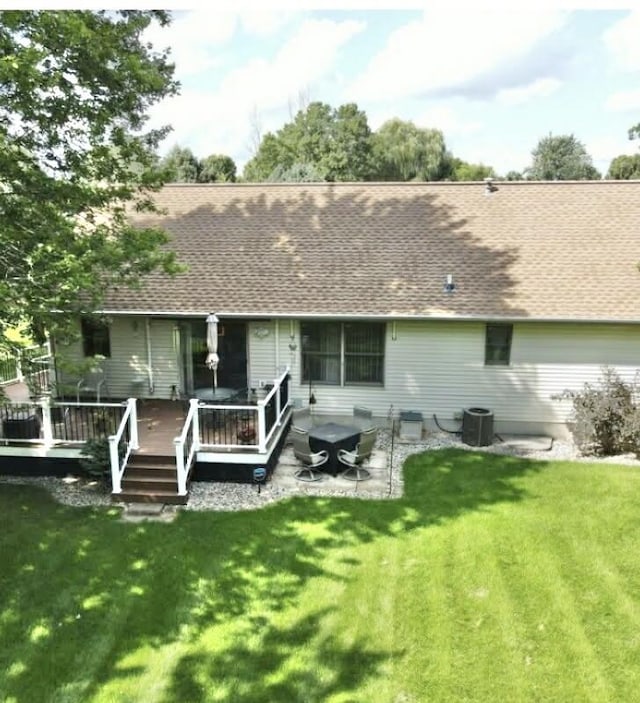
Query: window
x,y
497,349
348,353
95,337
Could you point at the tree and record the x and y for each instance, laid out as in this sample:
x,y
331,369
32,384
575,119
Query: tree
x,y
404,152
625,167
335,143
514,176
75,87
180,165
217,168
297,173
462,171
561,158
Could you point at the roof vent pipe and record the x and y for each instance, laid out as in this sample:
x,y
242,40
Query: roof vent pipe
x,y
488,186
449,285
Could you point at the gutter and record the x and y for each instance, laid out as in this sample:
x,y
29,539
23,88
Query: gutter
x,y
369,316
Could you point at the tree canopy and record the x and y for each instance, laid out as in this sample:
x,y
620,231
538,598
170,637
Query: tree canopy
x,y
561,158
75,87
625,167
326,144
336,142
404,152
180,165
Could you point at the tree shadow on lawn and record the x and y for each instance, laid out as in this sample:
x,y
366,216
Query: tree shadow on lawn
x,y
266,666
80,590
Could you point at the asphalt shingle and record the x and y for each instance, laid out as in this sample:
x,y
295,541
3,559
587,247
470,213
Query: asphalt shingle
x,y
561,250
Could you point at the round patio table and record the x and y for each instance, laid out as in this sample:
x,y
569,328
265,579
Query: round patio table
x,y
332,437
214,395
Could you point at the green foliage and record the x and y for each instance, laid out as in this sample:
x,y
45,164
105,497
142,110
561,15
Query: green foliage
x,y
463,171
217,168
625,167
404,152
94,457
335,143
296,173
76,87
180,165
606,418
561,158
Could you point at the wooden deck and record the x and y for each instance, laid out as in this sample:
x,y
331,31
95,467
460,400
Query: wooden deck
x,y
159,423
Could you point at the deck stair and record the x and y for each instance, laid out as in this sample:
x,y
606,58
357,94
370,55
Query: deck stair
x,y
150,479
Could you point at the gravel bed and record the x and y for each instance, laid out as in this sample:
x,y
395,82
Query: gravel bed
x,y
204,495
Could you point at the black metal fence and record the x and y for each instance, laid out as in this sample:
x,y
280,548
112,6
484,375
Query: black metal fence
x,y
228,426
78,423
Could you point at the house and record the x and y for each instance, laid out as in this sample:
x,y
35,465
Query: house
x,y
430,297
424,297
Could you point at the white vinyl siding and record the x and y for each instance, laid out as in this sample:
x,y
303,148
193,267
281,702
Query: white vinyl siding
x,y
438,368
432,367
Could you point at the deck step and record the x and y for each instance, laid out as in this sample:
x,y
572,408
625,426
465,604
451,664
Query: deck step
x,y
144,496
150,479
150,483
168,473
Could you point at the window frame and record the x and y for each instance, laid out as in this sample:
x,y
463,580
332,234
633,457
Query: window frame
x,y
345,359
96,337
496,352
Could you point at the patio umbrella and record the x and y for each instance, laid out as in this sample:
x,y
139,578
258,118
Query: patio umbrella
x,y
212,347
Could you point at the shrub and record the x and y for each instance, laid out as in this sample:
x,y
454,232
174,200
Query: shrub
x,y
95,457
606,417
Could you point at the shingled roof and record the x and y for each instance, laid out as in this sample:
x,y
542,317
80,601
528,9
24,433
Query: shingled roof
x,y
561,250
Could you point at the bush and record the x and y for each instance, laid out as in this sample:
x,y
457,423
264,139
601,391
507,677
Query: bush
x,y
95,457
606,417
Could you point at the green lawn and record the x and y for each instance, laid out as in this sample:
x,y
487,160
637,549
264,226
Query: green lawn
x,y
495,579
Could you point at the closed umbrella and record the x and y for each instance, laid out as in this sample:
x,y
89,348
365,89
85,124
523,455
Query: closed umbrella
x,y
212,347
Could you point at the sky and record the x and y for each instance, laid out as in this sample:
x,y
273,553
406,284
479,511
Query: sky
x,y
494,79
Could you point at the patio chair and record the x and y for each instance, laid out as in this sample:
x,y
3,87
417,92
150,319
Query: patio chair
x,y
363,417
301,418
93,382
353,460
311,460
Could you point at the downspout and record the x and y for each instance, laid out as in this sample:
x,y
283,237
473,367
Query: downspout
x,y
277,343
147,334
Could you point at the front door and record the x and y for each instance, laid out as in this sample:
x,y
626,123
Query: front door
x,y
232,350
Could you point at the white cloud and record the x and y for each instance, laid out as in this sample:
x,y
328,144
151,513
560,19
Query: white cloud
x,y
445,118
624,101
194,38
623,42
540,88
444,50
218,119
604,149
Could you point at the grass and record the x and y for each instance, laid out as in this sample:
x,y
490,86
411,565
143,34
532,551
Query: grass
x,y
494,579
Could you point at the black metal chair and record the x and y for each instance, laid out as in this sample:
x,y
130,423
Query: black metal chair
x,y
311,460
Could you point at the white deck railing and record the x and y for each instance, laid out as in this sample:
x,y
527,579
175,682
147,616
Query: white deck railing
x,y
186,446
127,431
210,423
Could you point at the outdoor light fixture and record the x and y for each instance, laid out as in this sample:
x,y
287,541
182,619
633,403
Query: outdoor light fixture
x,y
449,285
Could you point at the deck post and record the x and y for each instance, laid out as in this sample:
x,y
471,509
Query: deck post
x,y
133,423
195,423
262,427
180,468
278,387
47,429
115,464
